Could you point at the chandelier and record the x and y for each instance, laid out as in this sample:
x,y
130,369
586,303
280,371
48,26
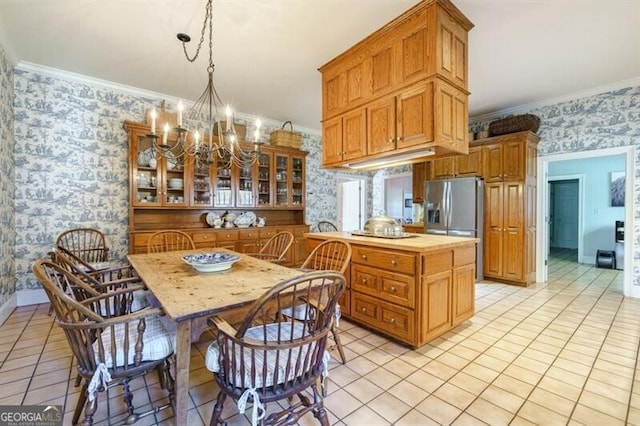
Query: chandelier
x,y
203,136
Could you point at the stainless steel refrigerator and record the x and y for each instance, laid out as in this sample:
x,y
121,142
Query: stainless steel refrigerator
x,y
454,207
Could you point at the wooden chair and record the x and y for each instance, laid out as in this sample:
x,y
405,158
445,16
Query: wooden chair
x,y
330,255
326,226
110,349
268,359
170,240
88,244
276,248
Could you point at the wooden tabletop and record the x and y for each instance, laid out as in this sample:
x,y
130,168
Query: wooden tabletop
x,y
184,292
420,243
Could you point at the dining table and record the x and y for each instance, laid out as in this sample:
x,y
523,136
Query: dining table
x,y
189,297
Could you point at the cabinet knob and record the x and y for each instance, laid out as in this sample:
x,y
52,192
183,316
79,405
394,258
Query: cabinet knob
x,y
364,257
398,139
364,281
390,140
363,309
394,262
393,289
392,320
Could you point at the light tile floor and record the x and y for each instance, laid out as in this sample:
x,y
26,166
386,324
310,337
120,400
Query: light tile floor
x,y
565,352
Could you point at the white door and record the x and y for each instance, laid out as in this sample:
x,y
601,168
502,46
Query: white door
x,y
565,214
351,205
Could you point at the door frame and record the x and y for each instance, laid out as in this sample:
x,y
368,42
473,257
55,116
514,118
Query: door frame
x,y
628,288
340,179
580,179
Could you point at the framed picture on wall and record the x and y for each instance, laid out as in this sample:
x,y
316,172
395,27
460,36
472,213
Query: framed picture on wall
x,y
617,189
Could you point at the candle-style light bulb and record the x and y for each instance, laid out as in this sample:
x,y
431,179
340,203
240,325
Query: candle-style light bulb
x,y
256,134
196,138
228,114
180,109
154,115
165,135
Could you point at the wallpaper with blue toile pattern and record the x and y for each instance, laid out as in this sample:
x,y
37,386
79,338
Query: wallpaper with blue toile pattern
x,y
7,180
70,160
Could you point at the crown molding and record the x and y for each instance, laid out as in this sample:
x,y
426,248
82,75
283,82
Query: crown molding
x,y
135,91
521,109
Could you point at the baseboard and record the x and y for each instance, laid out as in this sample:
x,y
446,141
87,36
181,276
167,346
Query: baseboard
x,y
31,297
7,308
589,260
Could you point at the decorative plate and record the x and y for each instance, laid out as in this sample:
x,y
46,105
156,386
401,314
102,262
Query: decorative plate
x,y
145,156
211,262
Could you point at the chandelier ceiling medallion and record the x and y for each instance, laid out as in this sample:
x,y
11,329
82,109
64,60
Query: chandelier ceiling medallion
x,y
208,134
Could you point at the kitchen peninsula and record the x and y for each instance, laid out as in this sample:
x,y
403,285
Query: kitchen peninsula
x,y
411,289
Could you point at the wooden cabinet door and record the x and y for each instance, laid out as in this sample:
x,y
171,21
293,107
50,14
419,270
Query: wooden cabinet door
x,y
513,161
443,168
471,164
418,177
451,54
333,92
493,223
354,136
414,116
436,309
513,231
382,67
492,159
381,123
265,177
451,115
463,298
223,193
414,55
332,141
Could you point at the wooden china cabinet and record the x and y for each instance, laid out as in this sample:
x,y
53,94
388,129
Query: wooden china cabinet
x,y
177,192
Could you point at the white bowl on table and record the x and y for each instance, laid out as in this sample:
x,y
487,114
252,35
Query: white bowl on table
x,y
211,262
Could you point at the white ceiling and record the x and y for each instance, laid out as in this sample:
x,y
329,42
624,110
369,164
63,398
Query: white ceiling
x,y
267,51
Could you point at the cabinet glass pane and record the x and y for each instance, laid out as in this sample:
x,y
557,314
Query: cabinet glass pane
x,y
201,183
174,179
146,174
264,183
296,182
245,187
223,195
282,180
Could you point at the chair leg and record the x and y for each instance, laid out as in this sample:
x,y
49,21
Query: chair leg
x,y
217,410
336,337
82,400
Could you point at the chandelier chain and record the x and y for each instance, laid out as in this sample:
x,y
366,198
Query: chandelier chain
x,y
208,18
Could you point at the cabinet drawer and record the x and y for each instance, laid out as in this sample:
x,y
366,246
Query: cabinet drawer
x,y
390,319
227,236
438,262
249,234
267,233
345,303
388,260
464,256
203,237
389,286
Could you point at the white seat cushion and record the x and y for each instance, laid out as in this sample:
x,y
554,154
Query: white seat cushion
x,y
157,343
213,353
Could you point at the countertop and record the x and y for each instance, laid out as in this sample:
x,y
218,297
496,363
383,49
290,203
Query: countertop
x,y
420,243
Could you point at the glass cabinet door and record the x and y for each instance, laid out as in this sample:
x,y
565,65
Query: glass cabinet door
x,y
282,180
223,195
175,189
297,181
244,197
146,175
264,180
201,183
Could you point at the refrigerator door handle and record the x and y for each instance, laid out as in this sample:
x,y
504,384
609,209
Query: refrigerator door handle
x,y
447,196
462,233
437,231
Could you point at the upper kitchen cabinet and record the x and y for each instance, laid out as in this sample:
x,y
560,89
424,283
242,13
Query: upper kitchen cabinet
x,y
403,89
420,173
458,165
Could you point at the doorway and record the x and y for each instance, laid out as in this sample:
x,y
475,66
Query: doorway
x,y
352,203
542,234
565,214
397,190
